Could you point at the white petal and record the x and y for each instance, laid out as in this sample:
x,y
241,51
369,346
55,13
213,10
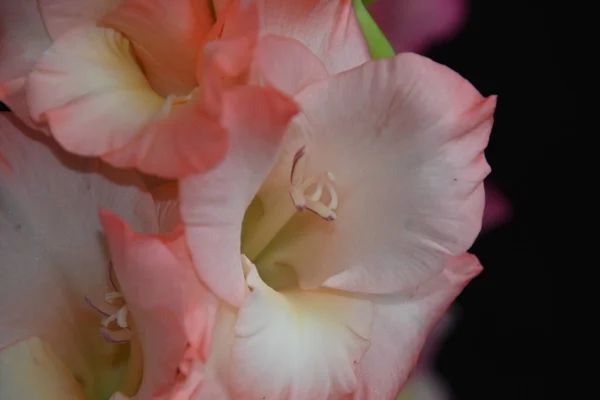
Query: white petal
x,y
29,369
298,345
52,250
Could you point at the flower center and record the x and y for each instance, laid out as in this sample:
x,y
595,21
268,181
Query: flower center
x,y
309,189
171,101
114,326
301,187
314,192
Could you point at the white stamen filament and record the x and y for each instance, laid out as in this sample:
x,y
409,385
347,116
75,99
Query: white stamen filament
x,y
118,313
170,101
122,317
306,193
110,297
299,186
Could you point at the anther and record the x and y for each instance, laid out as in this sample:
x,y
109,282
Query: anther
x,y
322,183
112,312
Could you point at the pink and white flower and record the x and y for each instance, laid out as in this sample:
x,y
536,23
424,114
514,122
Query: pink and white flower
x,y
58,295
139,82
338,301
326,202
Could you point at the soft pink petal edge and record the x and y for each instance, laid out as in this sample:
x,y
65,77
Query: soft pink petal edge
x,y
420,135
213,204
24,39
173,312
402,324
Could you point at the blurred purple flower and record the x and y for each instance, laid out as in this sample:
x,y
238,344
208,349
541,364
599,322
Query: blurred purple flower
x,y
497,208
413,25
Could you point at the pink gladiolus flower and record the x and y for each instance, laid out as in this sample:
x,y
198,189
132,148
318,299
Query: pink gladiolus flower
x,y
327,247
413,25
139,82
58,297
336,248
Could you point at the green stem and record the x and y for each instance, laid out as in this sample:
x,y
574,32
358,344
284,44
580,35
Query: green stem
x,y
379,46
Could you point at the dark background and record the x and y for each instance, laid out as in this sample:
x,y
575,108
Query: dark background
x,y
499,347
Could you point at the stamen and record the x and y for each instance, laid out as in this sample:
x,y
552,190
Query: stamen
x,y
122,317
118,314
107,320
121,336
170,101
110,297
111,277
96,308
323,182
298,167
318,192
334,202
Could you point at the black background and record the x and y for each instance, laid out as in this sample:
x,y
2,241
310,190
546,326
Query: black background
x,y
499,347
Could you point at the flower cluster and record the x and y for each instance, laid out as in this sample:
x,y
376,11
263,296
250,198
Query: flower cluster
x,y
226,199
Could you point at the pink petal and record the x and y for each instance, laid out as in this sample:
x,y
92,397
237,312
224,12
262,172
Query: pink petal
x,y
404,138
217,380
308,343
213,204
221,5
328,28
52,255
62,15
288,64
413,25
24,39
229,54
402,323
167,36
173,313
90,91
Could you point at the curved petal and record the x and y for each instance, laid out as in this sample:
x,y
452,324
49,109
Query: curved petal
x,y
96,101
173,313
288,64
52,252
213,203
220,6
29,369
404,140
62,15
167,36
24,39
309,343
216,384
412,25
167,206
328,28
401,324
